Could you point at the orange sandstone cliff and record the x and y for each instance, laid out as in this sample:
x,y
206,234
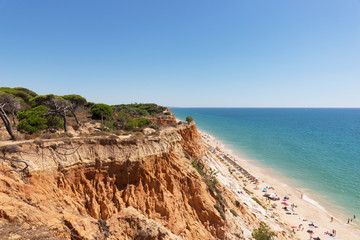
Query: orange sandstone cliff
x,y
113,188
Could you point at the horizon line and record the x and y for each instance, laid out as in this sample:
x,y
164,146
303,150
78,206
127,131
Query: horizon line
x,y
276,107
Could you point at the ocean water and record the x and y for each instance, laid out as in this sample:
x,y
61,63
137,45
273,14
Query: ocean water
x,y
318,149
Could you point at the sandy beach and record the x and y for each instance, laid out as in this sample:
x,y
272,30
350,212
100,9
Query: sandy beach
x,y
303,214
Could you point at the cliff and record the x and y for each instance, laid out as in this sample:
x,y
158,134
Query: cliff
x,y
116,188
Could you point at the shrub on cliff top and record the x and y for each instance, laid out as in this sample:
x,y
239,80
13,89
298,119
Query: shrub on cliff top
x,y
189,119
263,232
140,109
32,120
137,123
101,111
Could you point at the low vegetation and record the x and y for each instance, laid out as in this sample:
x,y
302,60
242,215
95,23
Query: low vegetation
x,y
139,109
31,114
209,178
101,111
233,212
259,202
189,119
208,175
263,232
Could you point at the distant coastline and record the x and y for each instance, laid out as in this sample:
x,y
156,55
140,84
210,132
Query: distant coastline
x,y
317,198
308,208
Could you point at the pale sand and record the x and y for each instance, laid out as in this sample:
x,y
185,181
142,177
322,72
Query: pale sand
x,y
304,209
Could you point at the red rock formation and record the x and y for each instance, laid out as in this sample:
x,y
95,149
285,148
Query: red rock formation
x,y
97,188
148,185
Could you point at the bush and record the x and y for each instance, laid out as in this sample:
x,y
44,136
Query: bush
x,y
122,119
197,167
189,119
101,111
210,179
54,122
263,232
140,109
137,123
220,210
234,212
32,121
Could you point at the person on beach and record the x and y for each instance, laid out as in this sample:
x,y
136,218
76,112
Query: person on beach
x,y
301,196
348,221
332,219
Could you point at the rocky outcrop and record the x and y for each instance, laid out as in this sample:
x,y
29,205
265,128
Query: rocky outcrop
x,y
96,188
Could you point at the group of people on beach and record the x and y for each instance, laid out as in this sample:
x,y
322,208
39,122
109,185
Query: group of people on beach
x,y
351,219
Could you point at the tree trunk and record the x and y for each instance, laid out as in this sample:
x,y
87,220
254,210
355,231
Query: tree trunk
x,y
77,120
13,117
65,123
7,123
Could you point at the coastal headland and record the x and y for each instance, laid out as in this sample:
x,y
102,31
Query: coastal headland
x,y
123,172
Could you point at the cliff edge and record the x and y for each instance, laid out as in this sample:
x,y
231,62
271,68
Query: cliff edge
x,y
115,188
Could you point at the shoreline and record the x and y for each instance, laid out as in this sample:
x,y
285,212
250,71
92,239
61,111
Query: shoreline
x,y
309,206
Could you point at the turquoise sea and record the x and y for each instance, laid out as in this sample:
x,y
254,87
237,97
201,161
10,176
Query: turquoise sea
x,y
318,149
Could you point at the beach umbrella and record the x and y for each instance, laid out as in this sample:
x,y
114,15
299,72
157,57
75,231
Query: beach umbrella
x,y
293,227
287,195
265,189
284,200
286,204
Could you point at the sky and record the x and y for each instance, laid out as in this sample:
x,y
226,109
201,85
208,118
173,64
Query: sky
x,y
198,53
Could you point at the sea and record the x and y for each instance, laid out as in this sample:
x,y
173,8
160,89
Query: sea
x,y
318,150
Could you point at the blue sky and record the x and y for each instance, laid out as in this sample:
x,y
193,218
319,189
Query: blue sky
x,y
233,53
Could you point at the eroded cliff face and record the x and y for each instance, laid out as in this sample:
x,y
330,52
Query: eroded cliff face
x,y
132,188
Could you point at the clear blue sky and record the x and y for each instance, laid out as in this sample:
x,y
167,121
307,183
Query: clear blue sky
x,y
232,53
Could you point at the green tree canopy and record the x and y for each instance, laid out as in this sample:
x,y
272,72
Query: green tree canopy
x,y
75,100
21,93
57,105
32,120
140,109
41,100
101,111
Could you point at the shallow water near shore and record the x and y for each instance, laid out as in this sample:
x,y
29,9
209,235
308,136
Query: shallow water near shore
x,y
318,149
